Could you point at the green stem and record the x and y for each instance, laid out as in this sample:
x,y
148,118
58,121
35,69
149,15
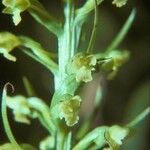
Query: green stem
x,y
65,40
139,118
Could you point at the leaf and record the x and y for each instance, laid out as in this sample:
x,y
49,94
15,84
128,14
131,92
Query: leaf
x,y
119,3
15,8
8,42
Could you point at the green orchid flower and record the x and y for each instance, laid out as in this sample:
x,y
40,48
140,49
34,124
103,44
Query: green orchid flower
x,y
69,109
15,8
119,3
82,66
8,42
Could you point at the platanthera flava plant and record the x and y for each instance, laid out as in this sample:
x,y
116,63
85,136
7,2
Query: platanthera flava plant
x,y
74,67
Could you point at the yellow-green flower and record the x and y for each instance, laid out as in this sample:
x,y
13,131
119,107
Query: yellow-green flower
x,y
69,109
119,3
115,60
114,136
15,8
82,66
8,42
20,108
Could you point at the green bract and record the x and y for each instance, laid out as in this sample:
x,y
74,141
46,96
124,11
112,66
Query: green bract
x,y
15,8
8,42
82,66
69,109
119,3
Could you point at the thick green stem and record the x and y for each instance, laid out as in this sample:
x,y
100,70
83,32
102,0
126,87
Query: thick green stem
x,y
63,139
65,42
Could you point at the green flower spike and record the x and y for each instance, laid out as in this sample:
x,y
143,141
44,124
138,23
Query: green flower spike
x,y
8,42
69,109
82,66
119,3
15,8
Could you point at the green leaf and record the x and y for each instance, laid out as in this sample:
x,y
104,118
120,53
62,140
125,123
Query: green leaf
x,y
8,42
15,8
119,3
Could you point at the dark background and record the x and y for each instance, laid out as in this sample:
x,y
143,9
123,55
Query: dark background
x,y
124,97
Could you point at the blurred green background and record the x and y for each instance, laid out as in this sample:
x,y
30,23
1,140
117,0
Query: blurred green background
x,y
124,97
